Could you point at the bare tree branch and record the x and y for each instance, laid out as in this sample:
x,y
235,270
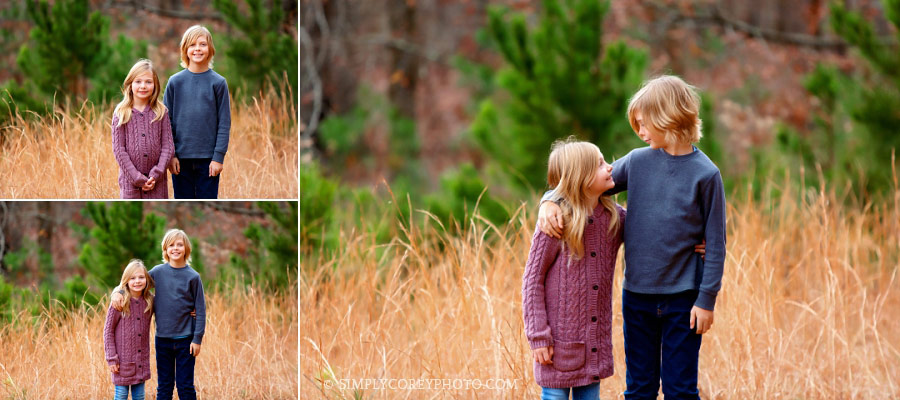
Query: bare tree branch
x,y
228,208
140,5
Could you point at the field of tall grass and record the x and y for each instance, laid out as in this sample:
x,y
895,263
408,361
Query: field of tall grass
x,y
809,308
249,351
69,154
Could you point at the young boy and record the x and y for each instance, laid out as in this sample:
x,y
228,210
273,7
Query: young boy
x,y
197,99
179,292
675,200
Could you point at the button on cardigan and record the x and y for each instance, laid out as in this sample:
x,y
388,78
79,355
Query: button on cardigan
x,y
142,148
569,307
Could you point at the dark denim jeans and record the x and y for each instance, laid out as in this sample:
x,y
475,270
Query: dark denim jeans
x,y
175,366
659,343
193,181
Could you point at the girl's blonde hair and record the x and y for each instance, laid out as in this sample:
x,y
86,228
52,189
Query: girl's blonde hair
x,y
570,170
670,106
123,109
135,266
171,236
191,35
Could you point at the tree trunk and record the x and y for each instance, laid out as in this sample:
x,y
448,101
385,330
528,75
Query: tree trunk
x,y
404,63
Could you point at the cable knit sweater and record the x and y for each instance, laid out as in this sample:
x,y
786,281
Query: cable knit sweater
x,y
142,149
570,307
126,341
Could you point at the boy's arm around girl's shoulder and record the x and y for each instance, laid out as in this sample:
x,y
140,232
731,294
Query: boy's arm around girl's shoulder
x,y
543,253
714,234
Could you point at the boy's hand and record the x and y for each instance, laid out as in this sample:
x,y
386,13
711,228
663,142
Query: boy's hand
x,y
195,349
702,319
118,301
701,249
174,166
550,219
151,183
114,368
194,313
543,355
215,168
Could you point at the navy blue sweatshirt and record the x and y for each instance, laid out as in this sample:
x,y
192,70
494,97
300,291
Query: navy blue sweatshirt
x,y
200,112
178,292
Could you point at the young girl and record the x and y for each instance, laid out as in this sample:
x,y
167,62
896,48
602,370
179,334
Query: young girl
x,y
201,118
142,136
567,285
126,336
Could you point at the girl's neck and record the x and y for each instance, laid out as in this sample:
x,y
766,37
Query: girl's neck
x,y
135,294
178,263
679,149
139,104
592,201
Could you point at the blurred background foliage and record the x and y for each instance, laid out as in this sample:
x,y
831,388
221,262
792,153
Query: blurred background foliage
x,y
809,92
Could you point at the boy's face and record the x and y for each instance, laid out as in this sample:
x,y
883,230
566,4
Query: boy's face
x,y
137,282
603,180
175,250
142,86
648,134
198,51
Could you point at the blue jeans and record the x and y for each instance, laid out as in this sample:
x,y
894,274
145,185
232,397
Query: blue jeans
x,y
193,181
175,366
589,392
137,392
659,343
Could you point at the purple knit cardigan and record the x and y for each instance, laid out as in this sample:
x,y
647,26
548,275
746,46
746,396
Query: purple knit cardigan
x,y
142,149
126,340
570,307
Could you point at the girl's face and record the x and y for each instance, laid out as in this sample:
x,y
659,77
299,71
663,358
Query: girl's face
x,y
142,86
198,50
602,180
175,250
137,282
648,134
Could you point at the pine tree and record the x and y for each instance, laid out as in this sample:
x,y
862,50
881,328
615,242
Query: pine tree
x,y
271,258
870,99
70,54
121,232
561,80
265,49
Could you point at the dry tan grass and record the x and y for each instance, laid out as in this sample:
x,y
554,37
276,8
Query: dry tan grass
x,y
249,352
809,308
69,154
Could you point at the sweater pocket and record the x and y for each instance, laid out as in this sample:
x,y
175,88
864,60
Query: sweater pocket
x,y
127,370
568,356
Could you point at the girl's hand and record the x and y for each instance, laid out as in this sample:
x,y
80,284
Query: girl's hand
x,y
543,355
215,168
550,219
114,368
151,183
701,249
195,349
174,166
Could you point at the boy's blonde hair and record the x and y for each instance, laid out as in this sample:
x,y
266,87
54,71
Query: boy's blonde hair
x,y
670,106
171,236
135,266
570,170
190,35
123,109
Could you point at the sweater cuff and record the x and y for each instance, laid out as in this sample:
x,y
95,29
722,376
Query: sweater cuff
x,y
219,157
198,339
113,361
706,301
538,343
